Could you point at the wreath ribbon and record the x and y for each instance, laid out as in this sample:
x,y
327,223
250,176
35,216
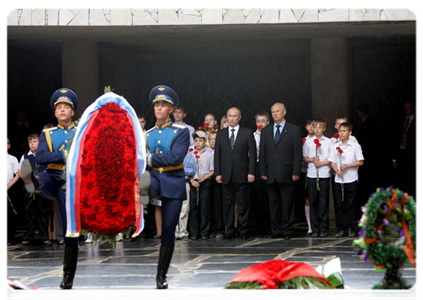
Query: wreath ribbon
x,y
408,247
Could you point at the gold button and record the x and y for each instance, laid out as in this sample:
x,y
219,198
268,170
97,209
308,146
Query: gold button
x,y
148,134
174,131
158,142
66,132
66,141
161,170
160,131
161,152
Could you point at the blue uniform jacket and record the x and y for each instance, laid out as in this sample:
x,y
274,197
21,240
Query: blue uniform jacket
x,y
168,144
54,146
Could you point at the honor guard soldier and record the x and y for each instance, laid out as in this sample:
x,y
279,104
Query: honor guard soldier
x,y
167,144
53,151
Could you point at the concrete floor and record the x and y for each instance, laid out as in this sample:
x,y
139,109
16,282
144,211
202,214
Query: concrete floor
x,y
199,266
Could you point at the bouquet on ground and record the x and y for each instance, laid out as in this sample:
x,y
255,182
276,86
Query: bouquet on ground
x,y
282,274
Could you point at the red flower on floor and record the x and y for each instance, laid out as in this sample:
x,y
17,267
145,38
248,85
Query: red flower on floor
x,y
109,173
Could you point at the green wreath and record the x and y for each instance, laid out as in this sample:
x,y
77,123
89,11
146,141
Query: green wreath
x,y
388,229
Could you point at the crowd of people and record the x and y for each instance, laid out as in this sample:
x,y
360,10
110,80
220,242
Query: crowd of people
x,y
241,182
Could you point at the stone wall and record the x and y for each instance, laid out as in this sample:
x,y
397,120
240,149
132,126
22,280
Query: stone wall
x,y
182,16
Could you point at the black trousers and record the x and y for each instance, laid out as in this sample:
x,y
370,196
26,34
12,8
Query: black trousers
x,y
11,215
282,208
199,213
260,206
216,222
240,191
35,216
319,203
345,209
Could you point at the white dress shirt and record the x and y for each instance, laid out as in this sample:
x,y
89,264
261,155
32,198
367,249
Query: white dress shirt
x,y
12,167
323,153
235,132
352,153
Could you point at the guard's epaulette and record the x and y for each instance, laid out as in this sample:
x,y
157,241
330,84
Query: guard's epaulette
x,y
178,126
51,129
151,129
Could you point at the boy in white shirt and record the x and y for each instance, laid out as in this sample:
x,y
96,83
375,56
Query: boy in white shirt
x,y
303,175
316,154
345,157
13,176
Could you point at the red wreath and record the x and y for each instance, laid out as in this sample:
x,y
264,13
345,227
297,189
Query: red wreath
x,y
108,173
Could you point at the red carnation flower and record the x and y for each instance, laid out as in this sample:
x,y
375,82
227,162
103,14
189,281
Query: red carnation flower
x,y
316,141
195,152
318,145
197,156
304,140
190,149
200,127
259,127
336,135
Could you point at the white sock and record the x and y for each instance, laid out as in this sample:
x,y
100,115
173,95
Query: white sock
x,y
307,213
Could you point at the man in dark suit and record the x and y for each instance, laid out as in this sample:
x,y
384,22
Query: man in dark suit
x,y
234,165
405,153
280,165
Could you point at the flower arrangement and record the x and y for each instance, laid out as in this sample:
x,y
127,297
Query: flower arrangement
x,y
281,274
108,174
194,152
104,166
340,151
388,234
318,145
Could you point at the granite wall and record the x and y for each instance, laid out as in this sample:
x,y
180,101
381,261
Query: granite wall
x,y
182,16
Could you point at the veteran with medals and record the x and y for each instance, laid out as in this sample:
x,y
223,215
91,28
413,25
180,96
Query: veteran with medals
x,y
167,144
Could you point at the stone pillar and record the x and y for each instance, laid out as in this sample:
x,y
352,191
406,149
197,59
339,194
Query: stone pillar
x,y
80,72
329,85
329,79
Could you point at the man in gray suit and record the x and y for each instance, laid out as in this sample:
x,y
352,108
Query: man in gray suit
x,y
280,165
234,166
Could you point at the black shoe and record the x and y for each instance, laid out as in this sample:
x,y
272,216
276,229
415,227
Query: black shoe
x,y
28,177
308,233
244,237
228,237
46,243
323,234
287,237
315,234
204,238
276,236
165,256
25,243
350,233
194,238
69,267
340,233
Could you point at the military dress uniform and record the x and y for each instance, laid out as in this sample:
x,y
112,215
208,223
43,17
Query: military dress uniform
x,y
53,151
167,145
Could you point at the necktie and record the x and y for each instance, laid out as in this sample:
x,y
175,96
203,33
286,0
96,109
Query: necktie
x,y
277,134
232,139
404,134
